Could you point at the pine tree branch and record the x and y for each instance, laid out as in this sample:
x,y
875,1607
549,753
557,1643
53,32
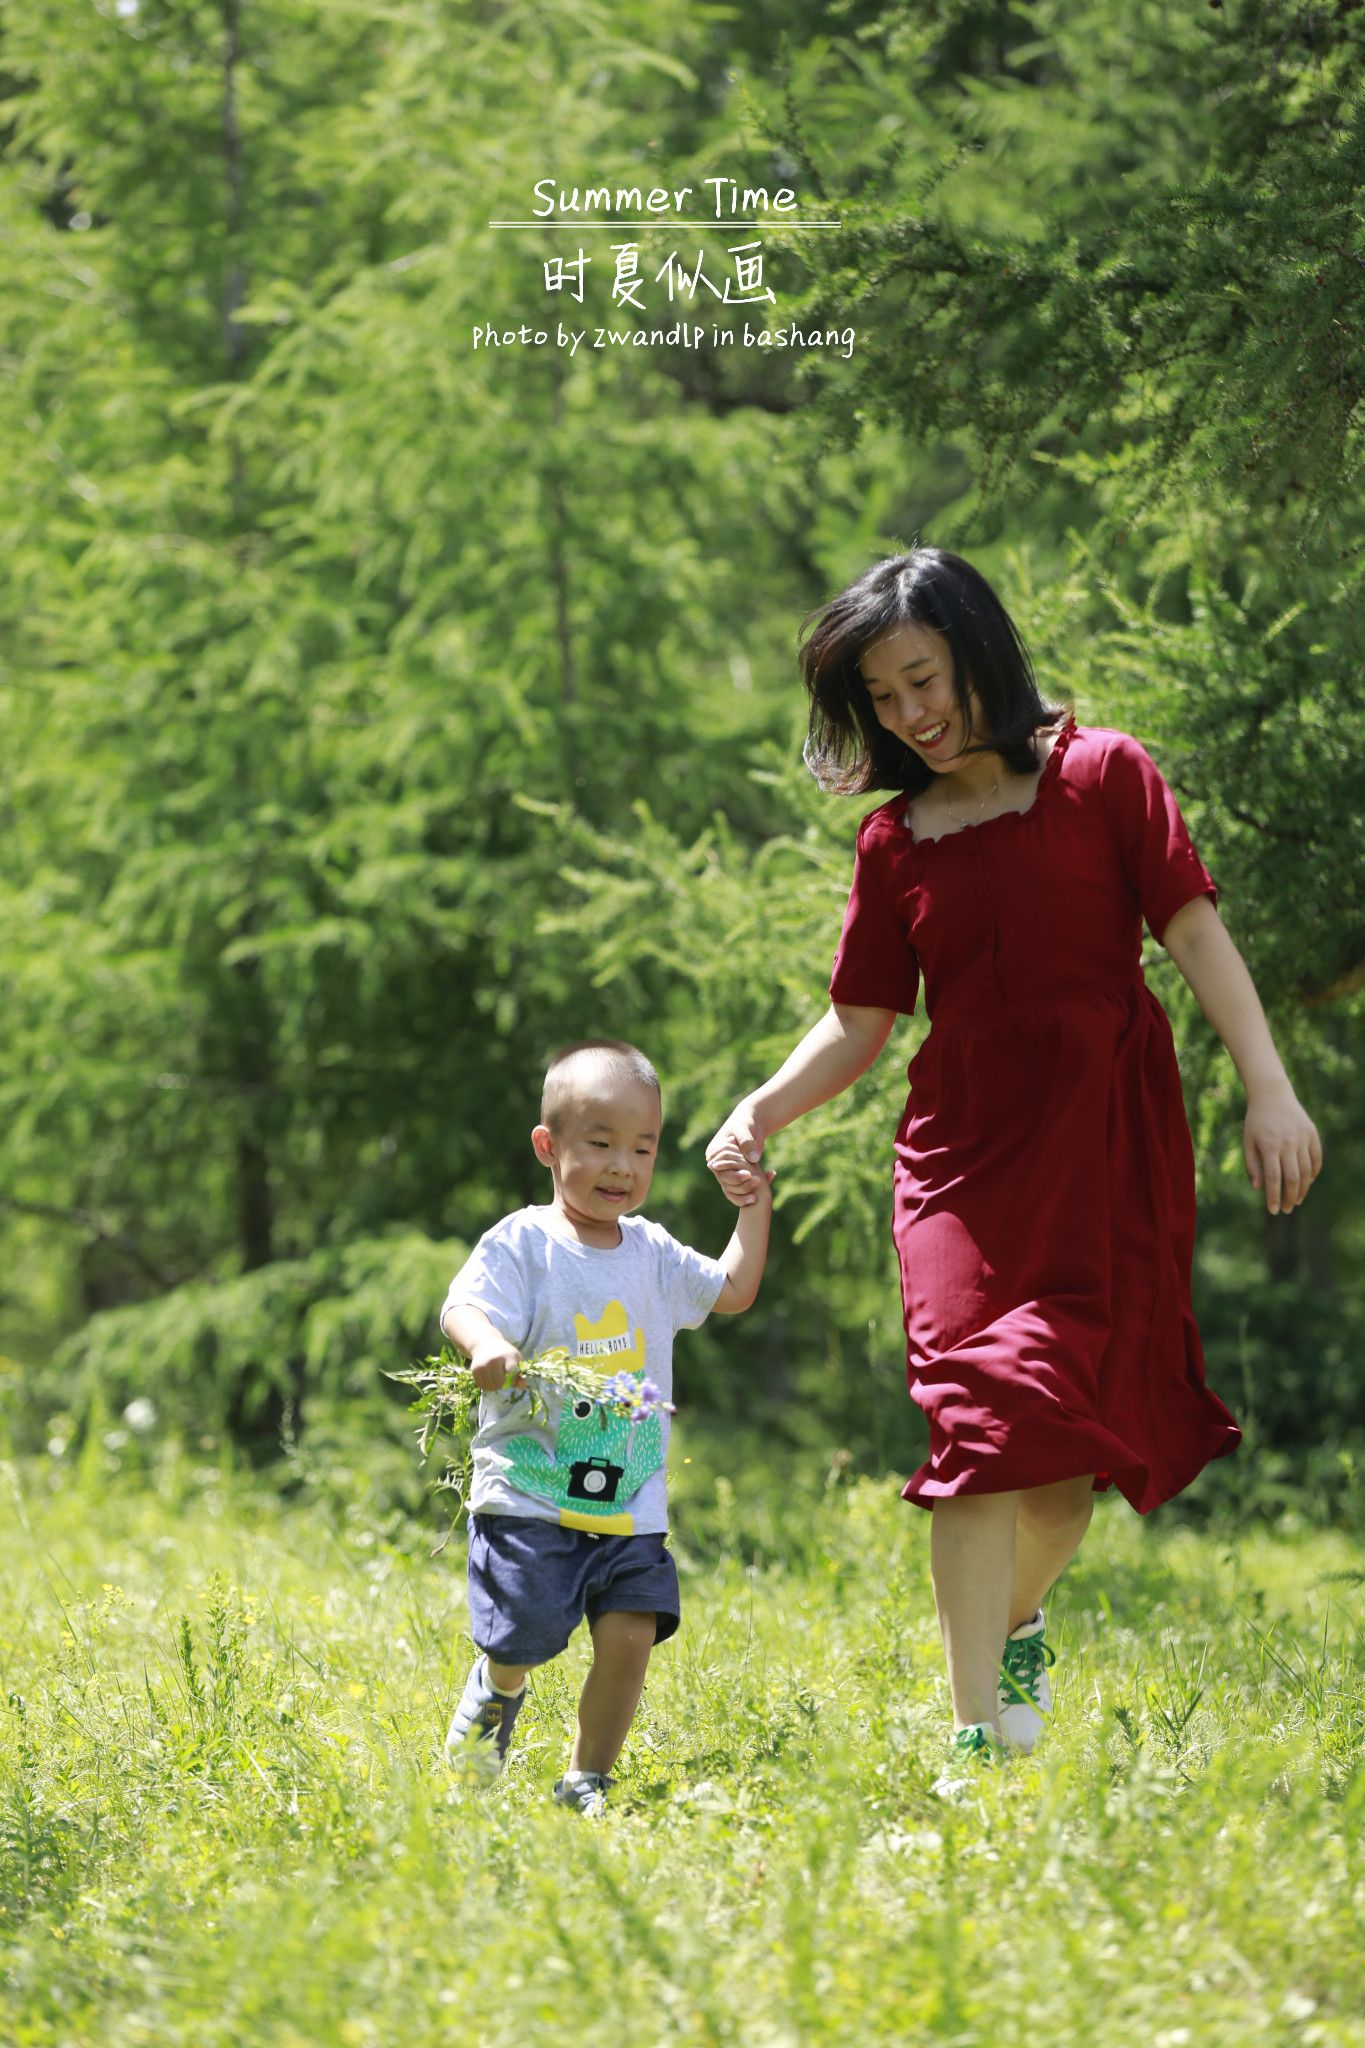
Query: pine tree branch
x,y
1268,831
1344,985
84,1219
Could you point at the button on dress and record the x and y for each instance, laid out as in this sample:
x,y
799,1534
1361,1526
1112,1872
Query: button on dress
x,y
1044,1205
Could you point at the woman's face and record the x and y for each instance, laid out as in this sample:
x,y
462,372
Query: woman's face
x,y
909,677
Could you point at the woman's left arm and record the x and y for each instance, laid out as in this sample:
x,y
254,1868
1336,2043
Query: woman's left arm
x,y
1280,1142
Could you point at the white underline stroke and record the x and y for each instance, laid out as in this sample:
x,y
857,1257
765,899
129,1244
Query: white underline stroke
x,y
568,221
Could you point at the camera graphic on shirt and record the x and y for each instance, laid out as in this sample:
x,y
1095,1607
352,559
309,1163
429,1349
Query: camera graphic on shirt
x,y
594,1479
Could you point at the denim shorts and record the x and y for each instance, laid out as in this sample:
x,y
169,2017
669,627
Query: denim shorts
x,y
531,1583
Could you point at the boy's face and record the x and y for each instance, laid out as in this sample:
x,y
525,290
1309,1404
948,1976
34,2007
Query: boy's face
x,y
602,1156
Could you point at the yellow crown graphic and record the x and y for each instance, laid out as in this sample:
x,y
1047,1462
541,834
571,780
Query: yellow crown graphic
x,y
607,1344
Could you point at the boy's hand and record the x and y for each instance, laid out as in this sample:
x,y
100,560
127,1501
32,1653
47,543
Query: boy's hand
x,y
493,1362
745,1255
758,1187
733,1156
742,1182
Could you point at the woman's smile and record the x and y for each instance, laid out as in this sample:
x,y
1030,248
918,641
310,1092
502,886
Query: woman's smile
x,y
909,678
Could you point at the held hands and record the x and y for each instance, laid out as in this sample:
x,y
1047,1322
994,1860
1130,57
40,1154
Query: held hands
x,y
733,1156
754,1185
1281,1146
492,1362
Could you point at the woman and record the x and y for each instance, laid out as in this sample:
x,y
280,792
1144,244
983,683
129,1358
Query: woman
x,y
1044,1176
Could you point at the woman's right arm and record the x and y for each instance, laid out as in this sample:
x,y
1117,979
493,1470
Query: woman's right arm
x,y
832,1054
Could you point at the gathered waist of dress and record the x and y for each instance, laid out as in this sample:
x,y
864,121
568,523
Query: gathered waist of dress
x,y
979,1007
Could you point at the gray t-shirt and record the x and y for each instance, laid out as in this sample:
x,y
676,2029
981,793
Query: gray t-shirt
x,y
620,1310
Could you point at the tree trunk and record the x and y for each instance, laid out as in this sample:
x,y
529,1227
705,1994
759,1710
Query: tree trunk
x,y
255,1079
255,1203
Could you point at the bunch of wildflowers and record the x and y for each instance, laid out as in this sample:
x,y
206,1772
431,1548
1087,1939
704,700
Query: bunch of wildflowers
x,y
626,1395
448,1400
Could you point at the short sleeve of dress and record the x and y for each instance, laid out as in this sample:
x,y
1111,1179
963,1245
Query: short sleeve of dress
x,y
1154,845
875,967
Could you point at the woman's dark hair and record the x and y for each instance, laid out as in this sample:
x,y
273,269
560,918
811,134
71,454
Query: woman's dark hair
x,y
847,750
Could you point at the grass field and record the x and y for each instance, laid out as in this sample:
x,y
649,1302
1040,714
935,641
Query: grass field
x,y
224,1819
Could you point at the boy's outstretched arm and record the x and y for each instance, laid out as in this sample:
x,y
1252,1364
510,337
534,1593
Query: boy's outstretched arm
x,y
745,1255
492,1360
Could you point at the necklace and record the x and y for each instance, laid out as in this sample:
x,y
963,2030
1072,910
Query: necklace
x,y
984,801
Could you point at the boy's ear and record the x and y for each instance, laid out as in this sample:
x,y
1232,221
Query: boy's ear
x,y
543,1144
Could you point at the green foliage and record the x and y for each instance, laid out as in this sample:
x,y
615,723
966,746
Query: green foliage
x,y
321,1331
281,668
383,713
1154,308
1053,239
1249,698
224,1811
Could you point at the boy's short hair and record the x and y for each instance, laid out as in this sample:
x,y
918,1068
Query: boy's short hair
x,y
620,1061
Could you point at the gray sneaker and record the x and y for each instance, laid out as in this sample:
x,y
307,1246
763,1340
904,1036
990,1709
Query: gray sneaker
x,y
585,1791
483,1722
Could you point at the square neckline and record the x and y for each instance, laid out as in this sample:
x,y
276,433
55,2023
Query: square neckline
x,y
1064,734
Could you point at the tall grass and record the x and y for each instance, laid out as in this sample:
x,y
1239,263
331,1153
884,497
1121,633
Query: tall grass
x,y
224,1816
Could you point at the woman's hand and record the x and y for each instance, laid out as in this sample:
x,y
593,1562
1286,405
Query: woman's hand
x,y
733,1155
1281,1146
836,1049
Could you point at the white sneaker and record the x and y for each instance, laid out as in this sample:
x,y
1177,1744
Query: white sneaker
x,y
1024,1695
971,1751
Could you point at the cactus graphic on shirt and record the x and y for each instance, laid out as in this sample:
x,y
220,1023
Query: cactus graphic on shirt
x,y
594,1470
601,1459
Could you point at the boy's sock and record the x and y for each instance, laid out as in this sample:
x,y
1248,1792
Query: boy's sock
x,y
485,1714
501,1691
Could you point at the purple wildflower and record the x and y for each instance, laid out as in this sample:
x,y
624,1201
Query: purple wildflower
x,y
649,1401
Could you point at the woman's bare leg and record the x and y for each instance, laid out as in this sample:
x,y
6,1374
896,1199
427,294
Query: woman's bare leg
x,y
1051,1523
971,1551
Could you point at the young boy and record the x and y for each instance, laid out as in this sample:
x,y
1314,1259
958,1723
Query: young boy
x,y
568,1518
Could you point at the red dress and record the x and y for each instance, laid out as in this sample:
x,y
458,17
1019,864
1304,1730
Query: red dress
x,y
1044,1182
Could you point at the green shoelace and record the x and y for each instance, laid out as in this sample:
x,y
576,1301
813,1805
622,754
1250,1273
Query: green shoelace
x,y
1024,1663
